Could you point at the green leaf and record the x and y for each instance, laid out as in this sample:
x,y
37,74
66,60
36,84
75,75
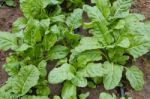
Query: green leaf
x,y
43,90
69,91
114,75
27,78
7,95
42,68
75,19
79,81
19,24
56,97
104,95
120,8
135,77
12,66
32,9
58,52
10,2
49,41
84,96
88,56
84,46
92,70
54,2
104,6
60,74
139,47
34,97
124,43
7,41
98,25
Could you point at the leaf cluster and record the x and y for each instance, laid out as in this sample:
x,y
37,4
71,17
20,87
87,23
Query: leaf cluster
x,y
47,33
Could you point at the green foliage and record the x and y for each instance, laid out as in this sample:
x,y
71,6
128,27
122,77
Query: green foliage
x,y
106,96
135,77
46,34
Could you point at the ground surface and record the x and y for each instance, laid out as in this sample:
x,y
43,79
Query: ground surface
x,y
9,15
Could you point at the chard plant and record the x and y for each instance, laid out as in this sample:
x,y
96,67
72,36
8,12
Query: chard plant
x,y
46,33
115,37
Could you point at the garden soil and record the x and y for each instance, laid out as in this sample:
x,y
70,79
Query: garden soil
x,y
8,15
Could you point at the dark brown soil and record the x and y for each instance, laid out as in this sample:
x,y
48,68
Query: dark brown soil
x,y
9,15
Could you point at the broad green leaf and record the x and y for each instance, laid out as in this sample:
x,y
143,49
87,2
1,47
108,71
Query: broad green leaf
x,y
12,68
87,43
32,9
84,96
97,80
42,68
79,81
7,95
22,47
104,95
120,24
49,41
69,91
32,32
135,77
58,52
92,70
98,25
7,41
56,97
54,2
75,19
34,97
88,56
43,90
19,24
10,3
114,75
139,47
95,14
124,43
120,8
117,56
27,78
60,74
91,84
104,6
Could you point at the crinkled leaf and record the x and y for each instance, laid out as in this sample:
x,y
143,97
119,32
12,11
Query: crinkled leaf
x,y
27,77
104,6
7,41
49,41
32,9
60,74
114,74
120,8
98,25
135,77
75,19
